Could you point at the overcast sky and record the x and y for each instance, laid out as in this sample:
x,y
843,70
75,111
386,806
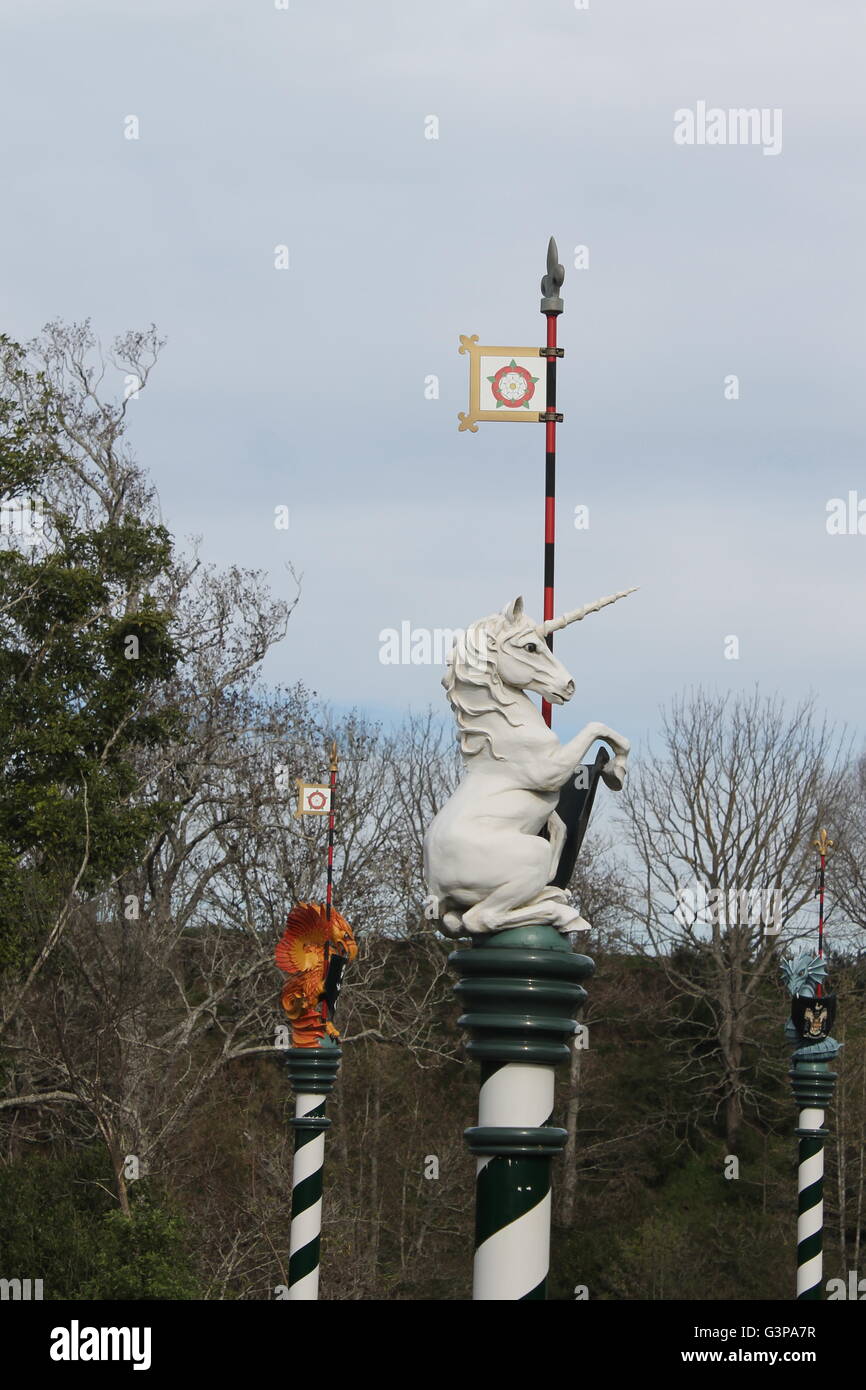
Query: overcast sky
x,y
260,126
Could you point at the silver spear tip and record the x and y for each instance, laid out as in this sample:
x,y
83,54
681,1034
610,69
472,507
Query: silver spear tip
x,y
551,283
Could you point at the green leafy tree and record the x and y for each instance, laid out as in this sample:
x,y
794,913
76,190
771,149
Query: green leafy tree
x,y
87,1250
86,641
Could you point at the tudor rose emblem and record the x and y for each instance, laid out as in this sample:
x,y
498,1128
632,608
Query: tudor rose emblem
x,y
513,386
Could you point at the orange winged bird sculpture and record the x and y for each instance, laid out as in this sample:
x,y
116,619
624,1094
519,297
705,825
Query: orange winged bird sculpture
x,y
312,952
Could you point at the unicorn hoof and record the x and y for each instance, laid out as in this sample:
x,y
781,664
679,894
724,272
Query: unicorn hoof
x,y
451,924
613,775
569,919
475,923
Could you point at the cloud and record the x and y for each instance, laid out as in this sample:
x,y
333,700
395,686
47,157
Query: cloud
x,y
305,387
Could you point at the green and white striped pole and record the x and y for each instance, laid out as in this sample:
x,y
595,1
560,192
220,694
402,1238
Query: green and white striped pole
x,y
520,988
312,952
812,1084
312,1073
810,1203
812,1014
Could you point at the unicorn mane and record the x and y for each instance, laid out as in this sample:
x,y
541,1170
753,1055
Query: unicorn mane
x,y
473,684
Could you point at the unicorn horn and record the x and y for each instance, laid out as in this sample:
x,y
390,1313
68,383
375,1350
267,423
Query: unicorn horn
x,y
554,624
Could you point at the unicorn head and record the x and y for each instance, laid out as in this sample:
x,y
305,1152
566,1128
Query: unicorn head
x,y
510,649
504,654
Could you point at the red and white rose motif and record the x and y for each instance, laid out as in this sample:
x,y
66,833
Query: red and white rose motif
x,y
513,386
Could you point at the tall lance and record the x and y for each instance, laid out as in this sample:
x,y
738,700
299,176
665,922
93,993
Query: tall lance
x,y
808,1031
551,307
520,986
313,951
503,387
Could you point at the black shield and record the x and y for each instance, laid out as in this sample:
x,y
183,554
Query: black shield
x,y
574,807
333,980
813,1018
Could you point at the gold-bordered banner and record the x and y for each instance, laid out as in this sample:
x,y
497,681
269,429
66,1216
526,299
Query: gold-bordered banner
x,y
505,383
314,799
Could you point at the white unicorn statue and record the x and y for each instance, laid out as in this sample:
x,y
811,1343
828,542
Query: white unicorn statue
x,y
486,864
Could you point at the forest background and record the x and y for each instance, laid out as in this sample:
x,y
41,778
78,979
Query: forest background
x,y
149,855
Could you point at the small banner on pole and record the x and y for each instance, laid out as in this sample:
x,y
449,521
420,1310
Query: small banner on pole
x,y
505,383
314,799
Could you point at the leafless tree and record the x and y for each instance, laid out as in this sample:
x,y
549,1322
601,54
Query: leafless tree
x,y
721,823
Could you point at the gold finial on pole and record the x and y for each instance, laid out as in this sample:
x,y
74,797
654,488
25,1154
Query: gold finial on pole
x,y
823,844
334,756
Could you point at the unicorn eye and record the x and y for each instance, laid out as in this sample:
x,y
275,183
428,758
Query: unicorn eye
x,y
531,647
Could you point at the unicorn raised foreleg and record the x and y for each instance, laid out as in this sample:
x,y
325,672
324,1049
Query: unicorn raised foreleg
x,y
486,863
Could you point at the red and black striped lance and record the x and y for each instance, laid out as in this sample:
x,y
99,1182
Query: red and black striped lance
x,y
551,307
329,892
823,844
